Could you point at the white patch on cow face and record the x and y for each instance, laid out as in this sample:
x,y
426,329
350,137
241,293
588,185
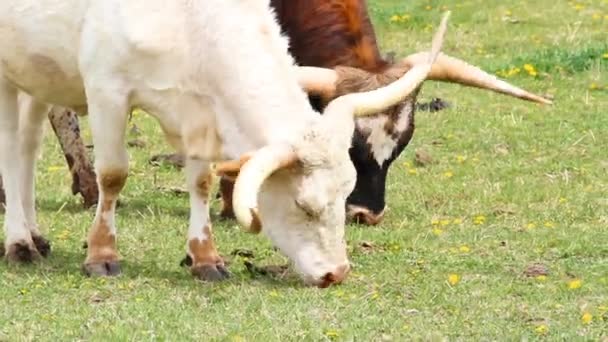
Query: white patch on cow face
x,y
381,142
302,212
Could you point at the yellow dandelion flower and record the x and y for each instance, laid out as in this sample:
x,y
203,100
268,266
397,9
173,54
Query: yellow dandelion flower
x,y
437,231
407,164
375,295
579,7
332,334
429,7
606,17
549,224
531,225
457,220
444,222
412,171
541,277
541,329
575,284
594,86
596,16
479,219
464,249
587,318
453,279
405,17
448,174
395,18
434,222
461,159
237,338
54,168
508,12
273,293
563,200
605,56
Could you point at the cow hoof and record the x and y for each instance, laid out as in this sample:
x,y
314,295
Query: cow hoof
x,y
22,252
42,245
103,268
210,272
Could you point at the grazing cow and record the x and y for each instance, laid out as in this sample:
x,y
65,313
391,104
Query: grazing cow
x,y
337,34
218,77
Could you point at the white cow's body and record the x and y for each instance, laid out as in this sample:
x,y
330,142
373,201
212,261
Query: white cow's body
x,y
218,77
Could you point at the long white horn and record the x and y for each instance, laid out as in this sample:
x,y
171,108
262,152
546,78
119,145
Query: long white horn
x,y
375,101
454,70
254,172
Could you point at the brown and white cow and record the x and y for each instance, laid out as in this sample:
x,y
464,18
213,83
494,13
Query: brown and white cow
x,y
218,77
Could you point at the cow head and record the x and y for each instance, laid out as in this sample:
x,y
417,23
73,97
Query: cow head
x,y
378,140
295,192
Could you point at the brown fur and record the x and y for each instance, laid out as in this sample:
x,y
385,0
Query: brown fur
x,y
112,182
340,31
203,185
204,252
101,242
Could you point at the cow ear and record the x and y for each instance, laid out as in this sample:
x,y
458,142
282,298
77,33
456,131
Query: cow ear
x,y
230,169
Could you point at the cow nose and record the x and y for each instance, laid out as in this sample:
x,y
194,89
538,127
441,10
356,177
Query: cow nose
x,y
335,277
364,215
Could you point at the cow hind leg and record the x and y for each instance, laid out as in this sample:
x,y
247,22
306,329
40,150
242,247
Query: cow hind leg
x,y
19,246
67,129
202,256
226,189
33,114
108,113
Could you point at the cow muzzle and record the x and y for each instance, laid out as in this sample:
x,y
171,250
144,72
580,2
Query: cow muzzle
x,y
358,214
333,278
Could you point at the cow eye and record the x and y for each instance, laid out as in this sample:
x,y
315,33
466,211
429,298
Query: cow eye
x,y
307,209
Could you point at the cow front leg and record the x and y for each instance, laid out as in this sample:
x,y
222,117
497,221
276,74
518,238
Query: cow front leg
x,y
67,129
205,262
19,246
108,118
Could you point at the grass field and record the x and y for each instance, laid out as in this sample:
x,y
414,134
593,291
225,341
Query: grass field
x,y
504,236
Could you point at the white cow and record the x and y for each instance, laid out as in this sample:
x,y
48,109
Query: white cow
x,y
217,76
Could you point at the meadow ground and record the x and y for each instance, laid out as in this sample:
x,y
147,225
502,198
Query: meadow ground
x,y
504,236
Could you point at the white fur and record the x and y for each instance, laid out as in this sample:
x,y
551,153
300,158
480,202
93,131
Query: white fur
x,y
217,76
382,144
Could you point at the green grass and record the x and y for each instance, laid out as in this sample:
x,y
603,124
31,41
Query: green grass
x,y
512,184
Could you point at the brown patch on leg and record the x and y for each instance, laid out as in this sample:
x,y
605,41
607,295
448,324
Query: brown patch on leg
x,y
42,245
22,252
112,182
203,184
206,264
226,190
102,256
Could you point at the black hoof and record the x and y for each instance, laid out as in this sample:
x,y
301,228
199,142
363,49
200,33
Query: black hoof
x,y
104,269
210,272
187,261
227,215
42,245
22,252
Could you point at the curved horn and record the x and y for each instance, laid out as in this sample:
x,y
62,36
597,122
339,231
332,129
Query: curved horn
x,y
372,102
264,162
317,80
454,70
